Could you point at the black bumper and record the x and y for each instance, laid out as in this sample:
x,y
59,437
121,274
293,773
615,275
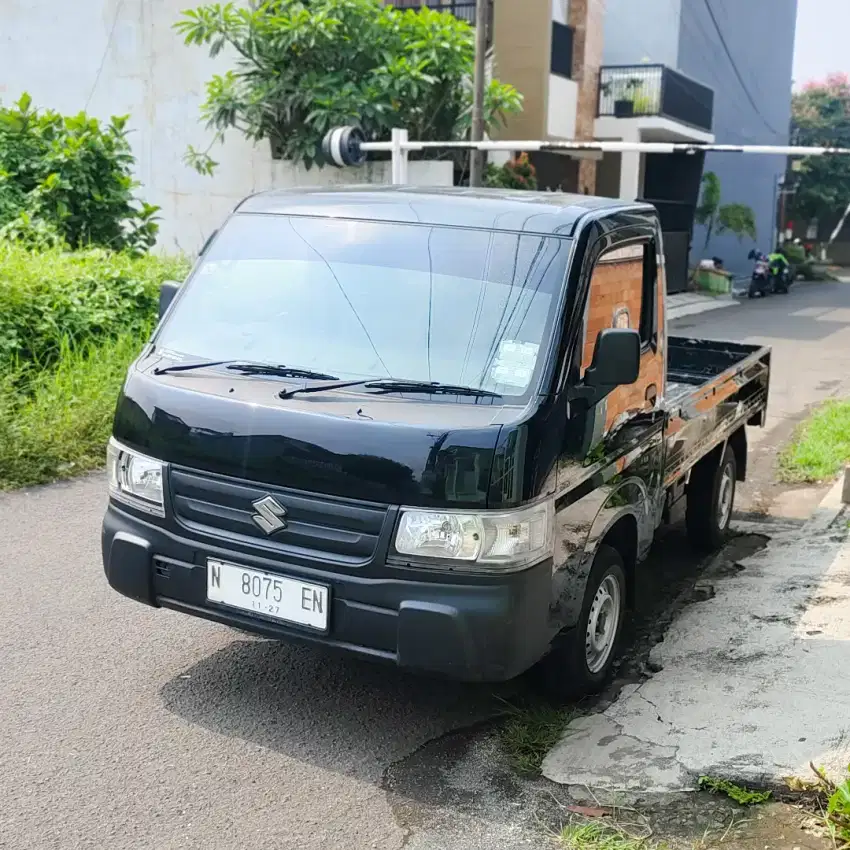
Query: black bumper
x,y
489,630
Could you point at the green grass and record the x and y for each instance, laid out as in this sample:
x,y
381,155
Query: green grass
x,y
529,732
56,425
820,447
742,796
598,835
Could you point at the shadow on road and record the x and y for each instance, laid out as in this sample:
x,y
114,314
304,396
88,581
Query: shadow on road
x,y
356,717
336,713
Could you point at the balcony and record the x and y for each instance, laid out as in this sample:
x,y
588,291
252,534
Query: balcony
x,y
636,91
462,9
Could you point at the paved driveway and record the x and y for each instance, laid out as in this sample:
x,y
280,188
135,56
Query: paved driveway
x,y
124,727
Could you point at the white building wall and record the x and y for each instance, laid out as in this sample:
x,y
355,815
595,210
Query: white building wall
x,y
561,11
562,107
123,57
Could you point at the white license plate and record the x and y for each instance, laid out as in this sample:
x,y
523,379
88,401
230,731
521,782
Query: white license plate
x,y
285,599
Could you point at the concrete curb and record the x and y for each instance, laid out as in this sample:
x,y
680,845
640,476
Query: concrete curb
x,y
832,504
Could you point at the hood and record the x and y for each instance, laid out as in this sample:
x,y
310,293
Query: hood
x,y
389,449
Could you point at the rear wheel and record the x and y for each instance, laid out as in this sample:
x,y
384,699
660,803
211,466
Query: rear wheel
x,y
711,497
581,660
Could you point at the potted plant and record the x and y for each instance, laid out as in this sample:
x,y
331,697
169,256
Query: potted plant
x,y
626,94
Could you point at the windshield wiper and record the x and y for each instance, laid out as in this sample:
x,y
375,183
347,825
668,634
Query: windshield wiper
x,y
395,386
428,387
187,367
248,369
282,371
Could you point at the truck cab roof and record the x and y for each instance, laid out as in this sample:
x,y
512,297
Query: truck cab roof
x,y
550,213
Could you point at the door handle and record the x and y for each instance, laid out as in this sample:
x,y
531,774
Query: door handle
x,y
651,394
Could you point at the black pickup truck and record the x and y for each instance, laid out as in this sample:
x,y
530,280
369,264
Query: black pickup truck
x,y
437,428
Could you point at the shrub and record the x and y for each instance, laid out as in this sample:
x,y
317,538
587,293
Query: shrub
x,y
72,175
517,173
57,424
302,68
53,298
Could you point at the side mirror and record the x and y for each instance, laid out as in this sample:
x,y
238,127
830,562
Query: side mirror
x,y
616,361
751,255
167,291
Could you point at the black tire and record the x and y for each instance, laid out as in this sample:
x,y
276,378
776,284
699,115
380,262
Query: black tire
x,y
565,672
708,524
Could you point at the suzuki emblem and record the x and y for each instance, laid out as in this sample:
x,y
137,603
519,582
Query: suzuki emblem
x,y
270,516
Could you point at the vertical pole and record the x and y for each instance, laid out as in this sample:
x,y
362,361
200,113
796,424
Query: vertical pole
x,y
399,156
476,157
776,224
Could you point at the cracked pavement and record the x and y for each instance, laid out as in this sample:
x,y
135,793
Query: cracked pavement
x,y
751,682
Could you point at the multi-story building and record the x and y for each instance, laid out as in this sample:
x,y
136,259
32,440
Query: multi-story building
x,y
652,70
699,69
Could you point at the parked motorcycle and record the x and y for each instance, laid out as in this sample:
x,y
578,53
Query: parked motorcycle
x,y
760,282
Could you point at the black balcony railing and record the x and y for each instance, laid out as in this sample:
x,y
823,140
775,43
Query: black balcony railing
x,y
463,9
561,62
630,91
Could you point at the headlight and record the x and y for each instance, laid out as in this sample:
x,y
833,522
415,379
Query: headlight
x,y
134,478
490,541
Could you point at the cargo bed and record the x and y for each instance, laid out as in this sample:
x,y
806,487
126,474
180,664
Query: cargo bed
x,y
713,389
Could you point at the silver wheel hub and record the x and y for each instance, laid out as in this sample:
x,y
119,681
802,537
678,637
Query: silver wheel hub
x,y
603,623
725,496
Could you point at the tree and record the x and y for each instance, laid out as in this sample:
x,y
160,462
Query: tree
x,y
720,218
821,117
305,66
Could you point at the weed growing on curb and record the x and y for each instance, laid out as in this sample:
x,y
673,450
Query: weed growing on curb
x,y
529,732
742,796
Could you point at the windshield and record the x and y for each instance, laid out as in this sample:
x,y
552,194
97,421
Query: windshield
x,y
365,299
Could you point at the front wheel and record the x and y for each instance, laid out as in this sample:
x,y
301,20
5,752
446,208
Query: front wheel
x,y
711,497
581,660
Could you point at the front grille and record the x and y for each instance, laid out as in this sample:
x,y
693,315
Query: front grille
x,y
316,526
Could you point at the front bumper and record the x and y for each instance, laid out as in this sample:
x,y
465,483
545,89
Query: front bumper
x,y
485,629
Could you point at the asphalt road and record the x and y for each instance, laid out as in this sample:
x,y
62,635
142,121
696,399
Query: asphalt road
x,y
125,727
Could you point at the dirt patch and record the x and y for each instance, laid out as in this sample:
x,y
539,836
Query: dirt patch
x,y
703,821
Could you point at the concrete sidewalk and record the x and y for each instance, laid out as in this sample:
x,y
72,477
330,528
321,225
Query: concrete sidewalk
x,y
753,683
691,303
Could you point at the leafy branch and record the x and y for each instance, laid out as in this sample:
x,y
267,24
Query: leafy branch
x,y
301,68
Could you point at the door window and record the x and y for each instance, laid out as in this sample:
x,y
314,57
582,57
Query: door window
x,y
623,293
